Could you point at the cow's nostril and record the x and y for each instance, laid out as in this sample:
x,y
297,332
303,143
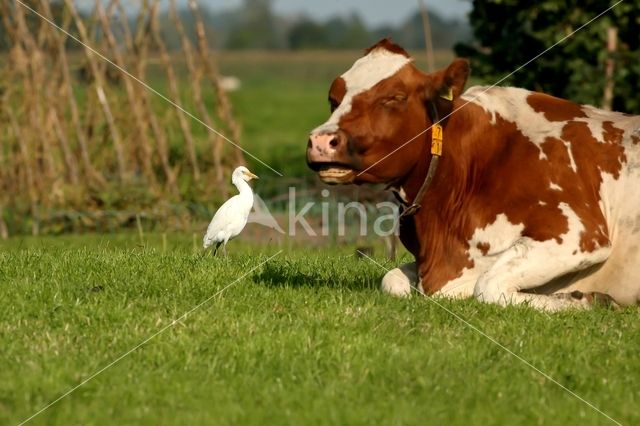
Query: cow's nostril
x,y
333,142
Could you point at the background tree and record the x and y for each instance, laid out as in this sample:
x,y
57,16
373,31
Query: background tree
x,y
410,34
307,34
338,32
355,33
258,27
508,33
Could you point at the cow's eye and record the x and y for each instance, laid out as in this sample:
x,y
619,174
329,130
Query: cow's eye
x,y
333,104
395,100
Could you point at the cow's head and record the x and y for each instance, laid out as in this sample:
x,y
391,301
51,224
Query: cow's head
x,y
376,107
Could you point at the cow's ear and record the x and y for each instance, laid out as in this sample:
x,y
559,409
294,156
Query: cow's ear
x,y
456,76
448,83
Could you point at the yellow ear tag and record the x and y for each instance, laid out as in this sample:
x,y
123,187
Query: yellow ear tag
x,y
448,95
436,140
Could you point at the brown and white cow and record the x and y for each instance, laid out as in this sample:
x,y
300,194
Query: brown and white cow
x,y
535,199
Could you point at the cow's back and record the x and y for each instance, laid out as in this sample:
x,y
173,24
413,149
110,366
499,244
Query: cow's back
x,y
593,158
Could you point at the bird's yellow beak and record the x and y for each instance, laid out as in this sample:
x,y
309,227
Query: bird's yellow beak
x,y
251,175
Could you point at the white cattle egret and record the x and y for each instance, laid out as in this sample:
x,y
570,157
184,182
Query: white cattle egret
x,y
231,217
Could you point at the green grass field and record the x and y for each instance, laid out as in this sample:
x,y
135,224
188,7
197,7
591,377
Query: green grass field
x,y
284,331
305,338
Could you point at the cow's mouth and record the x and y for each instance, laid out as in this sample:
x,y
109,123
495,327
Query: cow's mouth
x,y
333,173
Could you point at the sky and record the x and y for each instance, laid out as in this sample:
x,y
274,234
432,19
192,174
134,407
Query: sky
x,y
374,12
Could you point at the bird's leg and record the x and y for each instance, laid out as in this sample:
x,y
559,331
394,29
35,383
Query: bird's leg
x,y
215,250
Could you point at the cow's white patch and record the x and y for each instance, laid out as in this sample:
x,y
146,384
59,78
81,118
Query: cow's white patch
x,y
462,287
403,195
400,281
596,118
555,186
499,236
620,204
514,263
530,264
365,73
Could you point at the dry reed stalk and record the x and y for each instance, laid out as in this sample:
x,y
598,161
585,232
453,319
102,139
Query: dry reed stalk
x,y
224,110
44,81
197,73
6,75
99,83
7,160
27,63
93,176
144,152
32,78
196,77
55,109
140,229
428,39
5,15
27,168
4,229
174,92
3,136
4,173
157,130
67,154
141,28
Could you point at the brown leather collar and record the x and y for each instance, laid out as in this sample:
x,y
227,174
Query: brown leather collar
x,y
436,153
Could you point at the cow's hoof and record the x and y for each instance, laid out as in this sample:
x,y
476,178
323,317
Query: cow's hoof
x,y
396,283
589,300
596,299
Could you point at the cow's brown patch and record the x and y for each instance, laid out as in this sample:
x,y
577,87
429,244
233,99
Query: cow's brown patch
x,y
509,176
337,92
593,240
387,44
635,139
471,190
517,173
558,161
593,157
483,247
593,298
555,109
611,133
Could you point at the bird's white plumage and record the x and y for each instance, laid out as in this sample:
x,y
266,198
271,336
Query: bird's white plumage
x,y
231,217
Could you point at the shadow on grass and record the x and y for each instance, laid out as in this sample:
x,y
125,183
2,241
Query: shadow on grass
x,y
290,275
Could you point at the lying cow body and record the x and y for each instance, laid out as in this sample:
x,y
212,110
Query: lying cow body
x,y
535,199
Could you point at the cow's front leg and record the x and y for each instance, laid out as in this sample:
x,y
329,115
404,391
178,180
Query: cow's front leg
x,y
529,264
399,281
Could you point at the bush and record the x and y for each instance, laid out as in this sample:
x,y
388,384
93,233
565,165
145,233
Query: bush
x,y
509,33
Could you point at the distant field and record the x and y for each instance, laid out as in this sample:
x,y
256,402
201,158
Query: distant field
x,y
306,338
